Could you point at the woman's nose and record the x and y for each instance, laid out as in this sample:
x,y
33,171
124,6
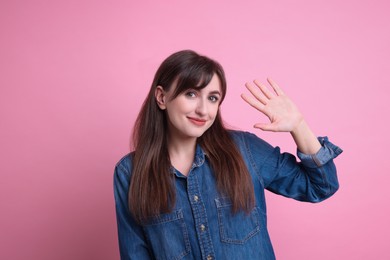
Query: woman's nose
x,y
201,107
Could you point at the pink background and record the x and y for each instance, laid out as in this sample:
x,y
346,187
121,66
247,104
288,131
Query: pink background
x,y
74,74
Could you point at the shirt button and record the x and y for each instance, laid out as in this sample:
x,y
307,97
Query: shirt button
x,y
202,227
196,198
209,257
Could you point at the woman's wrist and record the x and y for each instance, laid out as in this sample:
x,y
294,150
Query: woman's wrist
x,y
305,139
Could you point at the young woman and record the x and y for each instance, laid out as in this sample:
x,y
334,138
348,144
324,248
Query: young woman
x,y
193,189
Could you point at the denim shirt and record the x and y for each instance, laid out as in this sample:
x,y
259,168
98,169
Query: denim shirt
x,y
201,225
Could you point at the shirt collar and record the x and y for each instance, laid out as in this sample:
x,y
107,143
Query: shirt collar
x,y
199,159
199,156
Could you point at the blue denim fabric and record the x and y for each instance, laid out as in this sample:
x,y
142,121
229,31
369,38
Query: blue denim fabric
x,y
201,225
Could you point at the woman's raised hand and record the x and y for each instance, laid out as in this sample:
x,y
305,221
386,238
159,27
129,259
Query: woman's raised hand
x,y
283,114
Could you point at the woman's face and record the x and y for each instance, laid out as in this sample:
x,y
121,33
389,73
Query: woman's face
x,y
192,112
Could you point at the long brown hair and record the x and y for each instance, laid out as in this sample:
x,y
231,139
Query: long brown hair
x,y
152,189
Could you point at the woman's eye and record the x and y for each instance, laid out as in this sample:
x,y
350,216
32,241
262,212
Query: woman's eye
x,y
190,94
213,98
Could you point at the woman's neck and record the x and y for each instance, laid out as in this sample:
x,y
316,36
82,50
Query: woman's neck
x,y
181,153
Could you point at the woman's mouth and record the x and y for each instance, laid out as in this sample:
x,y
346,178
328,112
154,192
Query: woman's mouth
x,y
197,121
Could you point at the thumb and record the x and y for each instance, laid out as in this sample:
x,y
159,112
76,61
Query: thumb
x,y
265,127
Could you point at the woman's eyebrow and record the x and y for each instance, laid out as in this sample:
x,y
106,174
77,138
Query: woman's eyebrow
x,y
214,92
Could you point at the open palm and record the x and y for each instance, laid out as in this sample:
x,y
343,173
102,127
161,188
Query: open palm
x,y
283,114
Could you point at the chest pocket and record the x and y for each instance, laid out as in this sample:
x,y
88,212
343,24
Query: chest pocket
x,y
236,228
168,236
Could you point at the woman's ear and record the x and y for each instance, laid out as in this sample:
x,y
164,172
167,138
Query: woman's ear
x,y
160,97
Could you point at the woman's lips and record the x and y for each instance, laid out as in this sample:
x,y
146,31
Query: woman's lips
x,y
197,121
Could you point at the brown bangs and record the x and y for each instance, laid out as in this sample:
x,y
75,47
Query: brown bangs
x,y
198,75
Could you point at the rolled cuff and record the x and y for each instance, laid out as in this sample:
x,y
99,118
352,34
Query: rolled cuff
x,y
327,152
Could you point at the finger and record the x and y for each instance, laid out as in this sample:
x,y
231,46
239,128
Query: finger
x,y
275,86
264,89
265,127
255,91
253,102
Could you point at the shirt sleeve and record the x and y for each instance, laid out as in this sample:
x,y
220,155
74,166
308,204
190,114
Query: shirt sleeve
x,y
328,152
312,179
132,242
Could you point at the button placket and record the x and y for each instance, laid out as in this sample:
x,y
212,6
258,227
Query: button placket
x,y
200,215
